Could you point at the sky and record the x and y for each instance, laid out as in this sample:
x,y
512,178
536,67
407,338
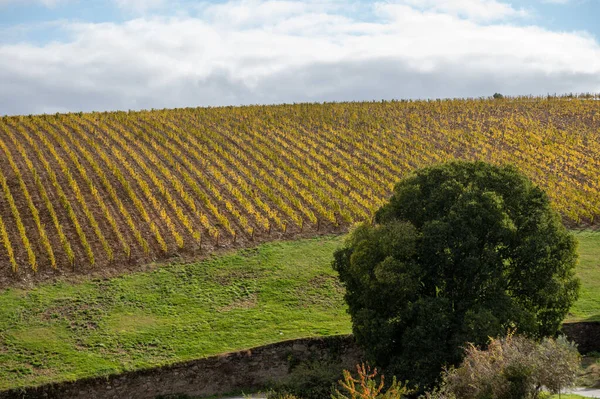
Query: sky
x,y
97,55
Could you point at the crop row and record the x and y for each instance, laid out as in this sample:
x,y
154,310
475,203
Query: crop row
x,y
88,190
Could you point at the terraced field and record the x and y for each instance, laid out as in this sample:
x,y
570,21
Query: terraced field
x,y
87,192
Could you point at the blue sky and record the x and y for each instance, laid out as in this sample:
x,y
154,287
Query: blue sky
x,y
573,15
71,55
15,16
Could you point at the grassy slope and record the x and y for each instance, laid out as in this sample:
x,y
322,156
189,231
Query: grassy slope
x,y
277,291
588,306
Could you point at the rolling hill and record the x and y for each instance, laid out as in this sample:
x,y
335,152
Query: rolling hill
x,y
84,192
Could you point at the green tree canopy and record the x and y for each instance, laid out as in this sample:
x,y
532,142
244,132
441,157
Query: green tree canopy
x,y
462,252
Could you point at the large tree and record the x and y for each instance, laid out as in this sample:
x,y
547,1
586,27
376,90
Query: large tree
x,y
462,252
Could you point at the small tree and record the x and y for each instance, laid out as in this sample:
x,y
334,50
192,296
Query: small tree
x,y
462,252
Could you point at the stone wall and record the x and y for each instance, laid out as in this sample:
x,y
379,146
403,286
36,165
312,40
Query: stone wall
x,y
238,371
585,334
232,372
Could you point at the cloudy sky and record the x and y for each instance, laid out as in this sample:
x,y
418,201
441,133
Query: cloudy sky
x,y
83,55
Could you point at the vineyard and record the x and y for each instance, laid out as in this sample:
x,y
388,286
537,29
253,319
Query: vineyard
x,y
81,192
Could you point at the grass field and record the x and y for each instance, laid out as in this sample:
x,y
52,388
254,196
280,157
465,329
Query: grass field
x,y
587,307
84,192
276,291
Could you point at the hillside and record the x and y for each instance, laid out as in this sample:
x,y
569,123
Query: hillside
x,y
95,191
269,293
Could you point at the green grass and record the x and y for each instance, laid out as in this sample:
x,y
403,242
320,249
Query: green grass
x,y
587,307
277,291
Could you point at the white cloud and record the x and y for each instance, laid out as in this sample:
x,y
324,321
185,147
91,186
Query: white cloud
x,y
264,52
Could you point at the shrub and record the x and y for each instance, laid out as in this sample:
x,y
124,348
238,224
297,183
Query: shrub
x,y
366,386
462,252
309,380
512,368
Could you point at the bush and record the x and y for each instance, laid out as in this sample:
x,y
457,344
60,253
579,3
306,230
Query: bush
x,y
366,386
310,380
512,368
462,252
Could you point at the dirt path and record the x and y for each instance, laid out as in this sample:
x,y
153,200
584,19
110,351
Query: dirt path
x,y
587,392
